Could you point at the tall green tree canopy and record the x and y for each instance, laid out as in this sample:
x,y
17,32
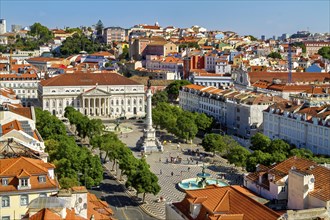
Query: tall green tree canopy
x,y
41,32
173,89
159,96
324,52
275,55
214,143
260,142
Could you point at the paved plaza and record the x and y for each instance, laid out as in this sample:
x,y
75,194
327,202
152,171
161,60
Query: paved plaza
x,y
160,165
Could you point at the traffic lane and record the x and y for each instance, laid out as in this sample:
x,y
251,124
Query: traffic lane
x,y
122,205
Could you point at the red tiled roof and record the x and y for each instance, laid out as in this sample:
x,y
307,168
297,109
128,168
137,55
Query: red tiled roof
x,y
224,203
88,79
283,76
13,168
321,174
23,111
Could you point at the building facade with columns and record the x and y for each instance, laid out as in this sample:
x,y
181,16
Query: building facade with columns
x,y
107,95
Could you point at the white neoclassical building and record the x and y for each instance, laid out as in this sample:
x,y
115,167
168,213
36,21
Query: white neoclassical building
x,y
107,95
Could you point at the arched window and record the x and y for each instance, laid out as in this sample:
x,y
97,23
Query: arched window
x,y
140,109
122,102
117,109
67,103
47,104
117,102
140,101
111,102
128,102
134,101
54,103
129,109
60,103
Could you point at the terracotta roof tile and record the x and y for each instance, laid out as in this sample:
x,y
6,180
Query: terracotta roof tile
x,y
88,79
225,203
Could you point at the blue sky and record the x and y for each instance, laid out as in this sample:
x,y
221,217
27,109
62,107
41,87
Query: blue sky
x,y
245,17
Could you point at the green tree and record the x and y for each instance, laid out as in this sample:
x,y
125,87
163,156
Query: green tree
x,y
42,33
48,125
258,157
252,38
275,55
301,45
185,127
301,152
278,145
213,143
159,96
203,121
238,155
173,88
324,52
260,142
143,180
67,182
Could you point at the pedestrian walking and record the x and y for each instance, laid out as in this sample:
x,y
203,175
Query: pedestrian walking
x,y
160,159
172,173
188,169
160,172
181,173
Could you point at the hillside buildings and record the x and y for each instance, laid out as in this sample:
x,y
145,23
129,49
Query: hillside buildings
x,y
93,94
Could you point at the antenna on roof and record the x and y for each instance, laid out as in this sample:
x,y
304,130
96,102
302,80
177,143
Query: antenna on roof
x,y
290,63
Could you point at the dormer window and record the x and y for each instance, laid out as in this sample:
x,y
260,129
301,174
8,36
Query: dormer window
x,y
5,181
42,179
24,182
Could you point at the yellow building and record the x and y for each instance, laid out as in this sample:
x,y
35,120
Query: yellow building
x,y
22,180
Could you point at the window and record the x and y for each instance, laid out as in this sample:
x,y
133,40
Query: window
x,y
5,202
42,195
24,200
5,181
128,102
24,182
42,179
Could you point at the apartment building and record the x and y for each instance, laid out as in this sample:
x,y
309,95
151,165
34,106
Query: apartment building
x,y
24,83
22,180
111,34
306,127
295,183
240,113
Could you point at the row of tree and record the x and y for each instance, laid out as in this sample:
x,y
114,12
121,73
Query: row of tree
x,y
73,163
183,124
265,150
137,171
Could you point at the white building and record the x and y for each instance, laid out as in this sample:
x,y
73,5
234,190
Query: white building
x,y
306,127
23,84
93,94
295,183
239,112
210,79
210,61
168,64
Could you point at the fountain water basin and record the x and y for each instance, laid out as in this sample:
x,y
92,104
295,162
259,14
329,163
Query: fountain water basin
x,y
193,183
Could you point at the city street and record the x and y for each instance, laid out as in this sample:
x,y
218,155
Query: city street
x,y
114,194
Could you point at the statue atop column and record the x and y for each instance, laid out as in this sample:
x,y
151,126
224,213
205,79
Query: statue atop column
x,y
148,142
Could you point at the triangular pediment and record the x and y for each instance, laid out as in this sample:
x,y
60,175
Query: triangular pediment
x,y
95,92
